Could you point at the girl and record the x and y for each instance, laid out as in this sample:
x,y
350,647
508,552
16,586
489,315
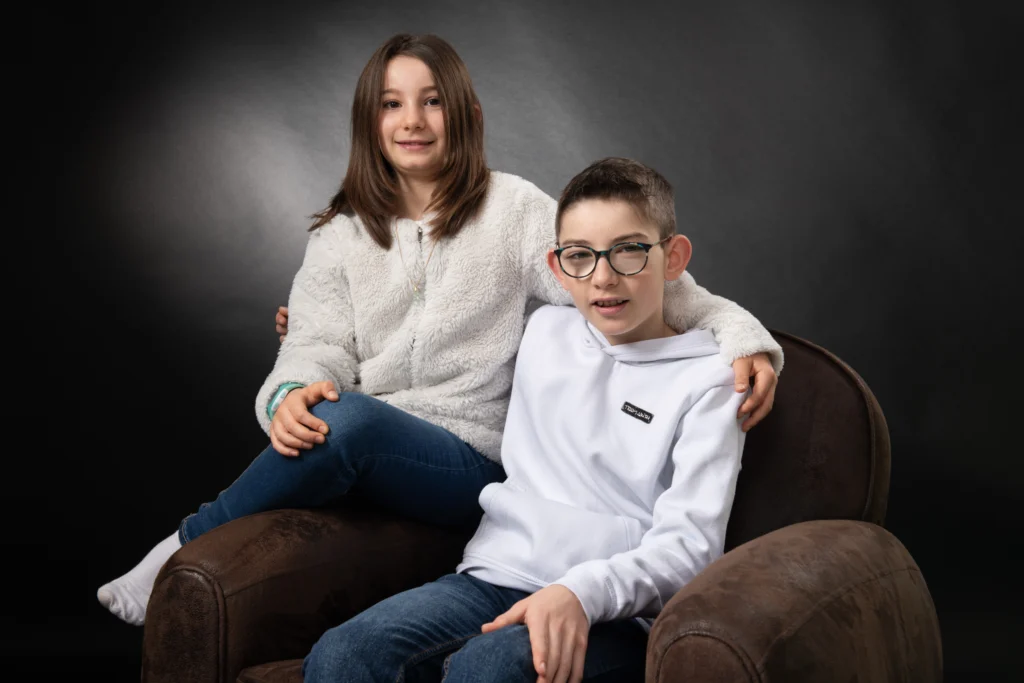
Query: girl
x,y
406,316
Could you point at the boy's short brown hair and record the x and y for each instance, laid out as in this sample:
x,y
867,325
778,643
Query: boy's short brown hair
x,y
627,180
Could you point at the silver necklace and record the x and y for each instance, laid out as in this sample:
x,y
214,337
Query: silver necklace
x,y
416,284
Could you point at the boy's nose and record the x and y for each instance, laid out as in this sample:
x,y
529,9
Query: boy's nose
x,y
604,275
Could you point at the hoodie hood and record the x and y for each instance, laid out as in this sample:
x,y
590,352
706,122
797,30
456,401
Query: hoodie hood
x,y
692,344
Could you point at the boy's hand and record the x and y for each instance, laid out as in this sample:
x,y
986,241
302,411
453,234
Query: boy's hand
x,y
294,427
558,632
762,398
281,320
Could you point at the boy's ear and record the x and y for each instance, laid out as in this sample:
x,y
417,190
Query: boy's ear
x,y
677,256
555,268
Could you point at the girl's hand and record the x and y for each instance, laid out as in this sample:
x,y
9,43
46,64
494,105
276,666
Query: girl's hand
x,y
558,629
281,320
293,426
762,398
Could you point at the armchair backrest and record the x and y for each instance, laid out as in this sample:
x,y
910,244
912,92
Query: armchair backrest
x,y
822,453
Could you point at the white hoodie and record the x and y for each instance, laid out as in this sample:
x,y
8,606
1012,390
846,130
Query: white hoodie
x,y
622,464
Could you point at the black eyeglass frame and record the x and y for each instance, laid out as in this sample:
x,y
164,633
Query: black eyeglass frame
x,y
607,255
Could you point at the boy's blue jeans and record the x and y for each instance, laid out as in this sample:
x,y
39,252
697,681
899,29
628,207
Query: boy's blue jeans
x,y
399,462
432,633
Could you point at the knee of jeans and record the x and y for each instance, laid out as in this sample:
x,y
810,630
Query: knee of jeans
x,y
339,652
349,413
501,655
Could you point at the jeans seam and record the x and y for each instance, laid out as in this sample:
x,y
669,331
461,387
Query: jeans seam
x,y
446,667
392,456
420,656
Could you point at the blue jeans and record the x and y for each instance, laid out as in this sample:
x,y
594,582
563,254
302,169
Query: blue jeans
x,y
399,462
432,633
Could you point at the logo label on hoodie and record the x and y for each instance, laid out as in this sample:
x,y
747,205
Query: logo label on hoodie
x,y
639,413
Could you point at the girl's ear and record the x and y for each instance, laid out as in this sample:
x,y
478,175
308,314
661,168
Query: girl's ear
x,y
478,111
677,256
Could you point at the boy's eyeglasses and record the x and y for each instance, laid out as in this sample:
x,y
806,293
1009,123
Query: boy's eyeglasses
x,y
625,258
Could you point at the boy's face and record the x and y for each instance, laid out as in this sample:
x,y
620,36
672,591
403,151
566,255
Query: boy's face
x,y
625,308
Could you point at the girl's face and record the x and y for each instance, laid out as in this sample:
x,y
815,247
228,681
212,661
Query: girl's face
x,y
412,134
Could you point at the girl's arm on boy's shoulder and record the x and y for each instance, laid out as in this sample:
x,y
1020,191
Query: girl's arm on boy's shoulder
x,y
538,236
320,344
738,333
687,304
690,519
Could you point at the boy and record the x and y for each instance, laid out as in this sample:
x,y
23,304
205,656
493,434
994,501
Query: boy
x,y
622,449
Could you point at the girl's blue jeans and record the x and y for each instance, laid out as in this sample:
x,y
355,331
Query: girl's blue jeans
x,y
399,462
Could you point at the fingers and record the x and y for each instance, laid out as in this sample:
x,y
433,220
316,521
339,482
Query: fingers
x,y
756,397
278,446
760,366
311,395
277,439
514,615
579,658
294,427
327,391
318,391
294,421
494,625
281,322
553,658
566,653
762,398
539,645
313,423
766,404
287,436
744,368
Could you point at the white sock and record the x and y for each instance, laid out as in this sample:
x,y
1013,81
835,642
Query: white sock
x,y
126,597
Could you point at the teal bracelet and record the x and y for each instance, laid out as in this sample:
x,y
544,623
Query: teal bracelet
x,y
279,395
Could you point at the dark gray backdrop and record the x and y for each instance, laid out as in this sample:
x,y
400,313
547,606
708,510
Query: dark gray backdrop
x,y
847,171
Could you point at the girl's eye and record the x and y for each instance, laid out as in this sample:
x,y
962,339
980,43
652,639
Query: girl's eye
x,y
391,104
434,102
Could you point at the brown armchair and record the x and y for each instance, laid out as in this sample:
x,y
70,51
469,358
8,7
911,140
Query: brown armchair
x,y
812,587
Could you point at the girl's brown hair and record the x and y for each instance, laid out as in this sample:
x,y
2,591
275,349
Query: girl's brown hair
x,y
370,186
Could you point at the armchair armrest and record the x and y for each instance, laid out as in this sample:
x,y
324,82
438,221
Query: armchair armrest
x,y
829,600
265,587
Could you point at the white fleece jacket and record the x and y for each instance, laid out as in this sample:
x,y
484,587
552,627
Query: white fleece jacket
x,y
622,464
448,355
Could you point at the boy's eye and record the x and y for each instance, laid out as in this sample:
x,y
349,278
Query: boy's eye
x,y
577,255
629,248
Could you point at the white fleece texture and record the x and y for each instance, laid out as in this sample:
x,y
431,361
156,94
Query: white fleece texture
x,y
448,355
